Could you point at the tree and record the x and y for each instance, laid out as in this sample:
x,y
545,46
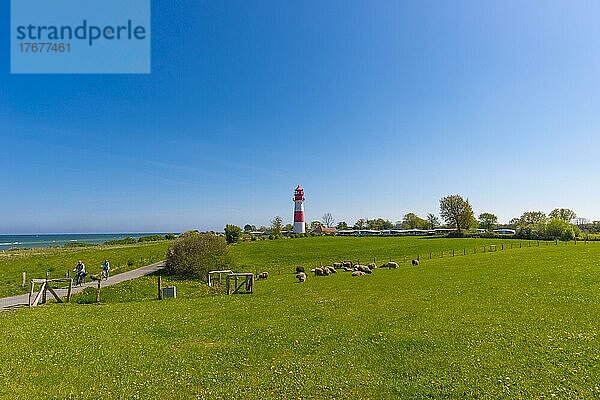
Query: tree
x,y
413,221
288,227
558,228
432,221
563,213
457,212
194,254
328,220
581,222
379,223
531,218
360,224
249,228
513,222
232,233
276,226
314,225
487,221
342,226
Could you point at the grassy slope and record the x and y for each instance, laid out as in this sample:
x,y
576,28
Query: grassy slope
x,y
519,323
59,260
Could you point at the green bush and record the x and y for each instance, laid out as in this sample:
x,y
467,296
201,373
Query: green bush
x,y
151,238
555,229
170,236
127,240
193,255
232,233
71,245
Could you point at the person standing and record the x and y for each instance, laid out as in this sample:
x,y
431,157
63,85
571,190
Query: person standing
x,y
105,269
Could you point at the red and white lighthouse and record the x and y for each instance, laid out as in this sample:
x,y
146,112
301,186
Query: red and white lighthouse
x,y
299,225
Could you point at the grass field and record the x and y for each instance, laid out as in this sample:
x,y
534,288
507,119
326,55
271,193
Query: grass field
x,y
519,323
58,260
283,255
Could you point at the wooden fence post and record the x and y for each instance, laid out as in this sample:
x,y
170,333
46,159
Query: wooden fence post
x,y
45,287
31,292
98,291
69,290
23,279
160,287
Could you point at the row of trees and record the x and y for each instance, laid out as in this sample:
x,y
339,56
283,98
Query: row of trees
x,y
457,213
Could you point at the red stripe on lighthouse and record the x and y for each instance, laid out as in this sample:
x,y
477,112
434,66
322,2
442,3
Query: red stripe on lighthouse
x,y
298,216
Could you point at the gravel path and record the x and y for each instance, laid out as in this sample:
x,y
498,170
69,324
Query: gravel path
x,y
23,299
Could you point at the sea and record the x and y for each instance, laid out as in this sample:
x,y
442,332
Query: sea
x,y
49,240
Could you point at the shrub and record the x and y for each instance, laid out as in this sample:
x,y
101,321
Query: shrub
x,y
127,240
193,255
568,234
151,238
456,234
71,245
232,233
170,236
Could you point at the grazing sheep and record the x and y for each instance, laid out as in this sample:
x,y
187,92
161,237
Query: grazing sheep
x,y
326,271
263,275
372,266
331,270
362,268
337,265
318,271
392,264
348,264
301,277
415,262
299,269
358,273
348,269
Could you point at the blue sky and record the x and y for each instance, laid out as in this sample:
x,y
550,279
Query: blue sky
x,y
377,108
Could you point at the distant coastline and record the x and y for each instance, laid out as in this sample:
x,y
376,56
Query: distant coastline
x,y
50,240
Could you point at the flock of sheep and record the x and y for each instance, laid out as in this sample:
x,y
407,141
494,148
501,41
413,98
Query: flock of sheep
x,y
346,266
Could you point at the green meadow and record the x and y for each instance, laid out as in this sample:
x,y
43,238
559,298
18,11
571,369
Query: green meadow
x,y
513,323
59,260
